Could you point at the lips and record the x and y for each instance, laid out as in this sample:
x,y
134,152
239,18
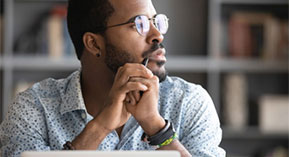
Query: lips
x,y
158,55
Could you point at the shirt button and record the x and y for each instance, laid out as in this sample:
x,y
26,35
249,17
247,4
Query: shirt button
x,y
83,115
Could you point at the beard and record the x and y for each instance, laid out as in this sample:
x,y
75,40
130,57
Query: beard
x,y
116,58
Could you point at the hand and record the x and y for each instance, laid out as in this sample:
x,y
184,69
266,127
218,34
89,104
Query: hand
x,y
115,114
145,111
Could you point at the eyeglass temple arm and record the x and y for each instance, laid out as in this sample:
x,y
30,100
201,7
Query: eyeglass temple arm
x,y
129,21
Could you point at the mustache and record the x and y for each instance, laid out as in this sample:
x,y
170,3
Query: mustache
x,y
154,47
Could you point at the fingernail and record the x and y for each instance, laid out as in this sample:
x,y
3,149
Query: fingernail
x,y
144,87
150,73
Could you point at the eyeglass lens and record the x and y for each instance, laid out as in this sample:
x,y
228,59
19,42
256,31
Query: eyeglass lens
x,y
142,24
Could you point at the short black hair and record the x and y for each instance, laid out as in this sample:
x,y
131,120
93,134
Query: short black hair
x,y
87,16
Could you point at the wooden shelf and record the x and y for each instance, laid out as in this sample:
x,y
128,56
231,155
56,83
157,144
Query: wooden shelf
x,y
262,2
252,133
205,64
39,1
174,63
40,63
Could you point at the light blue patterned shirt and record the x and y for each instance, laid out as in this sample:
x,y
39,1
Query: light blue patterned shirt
x,y
52,112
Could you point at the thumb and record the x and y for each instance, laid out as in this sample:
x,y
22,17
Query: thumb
x,y
130,107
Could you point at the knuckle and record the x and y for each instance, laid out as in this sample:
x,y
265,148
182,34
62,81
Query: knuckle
x,y
155,78
120,70
128,85
132,79
150,72
121,89
127,65
138,84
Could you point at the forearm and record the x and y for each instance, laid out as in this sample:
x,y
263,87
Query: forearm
x,y
176,145
91,137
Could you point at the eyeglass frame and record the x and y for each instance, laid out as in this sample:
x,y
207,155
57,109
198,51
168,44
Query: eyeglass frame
x,y
132,20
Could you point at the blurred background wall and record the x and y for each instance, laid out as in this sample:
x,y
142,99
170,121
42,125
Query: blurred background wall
x,y
236,49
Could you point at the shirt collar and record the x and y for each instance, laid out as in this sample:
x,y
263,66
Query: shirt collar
x,y
71,94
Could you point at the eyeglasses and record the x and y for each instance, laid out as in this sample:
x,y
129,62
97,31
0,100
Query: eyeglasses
x,y
142,23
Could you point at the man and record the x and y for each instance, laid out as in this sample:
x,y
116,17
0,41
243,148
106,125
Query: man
x,y
114,102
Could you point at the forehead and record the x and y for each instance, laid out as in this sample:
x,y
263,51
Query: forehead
x,y
125,9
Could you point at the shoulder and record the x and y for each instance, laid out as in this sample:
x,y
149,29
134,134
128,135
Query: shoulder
x,y
178,87
48,88
178,96
46,94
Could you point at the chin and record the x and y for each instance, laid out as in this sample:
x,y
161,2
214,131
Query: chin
x,y
161,74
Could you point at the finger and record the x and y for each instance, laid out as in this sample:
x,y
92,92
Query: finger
x,y
133,86
136,67
130,107
132,98
147,82
154,80
121,93
136,95
127,99
152,84
130,70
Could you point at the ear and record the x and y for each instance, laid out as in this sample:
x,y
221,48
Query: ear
x,y
93,43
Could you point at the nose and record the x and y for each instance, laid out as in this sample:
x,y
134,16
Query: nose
x,y
154,35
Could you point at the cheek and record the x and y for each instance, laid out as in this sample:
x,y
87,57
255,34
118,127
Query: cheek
x,y
127,39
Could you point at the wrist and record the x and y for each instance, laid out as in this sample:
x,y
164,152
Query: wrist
x,y
153,126
164,137
99,124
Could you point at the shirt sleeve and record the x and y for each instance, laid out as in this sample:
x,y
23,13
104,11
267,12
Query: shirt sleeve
x,y
24,127
201,125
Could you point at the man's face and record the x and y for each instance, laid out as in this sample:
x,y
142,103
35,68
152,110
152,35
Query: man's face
x,y
125,45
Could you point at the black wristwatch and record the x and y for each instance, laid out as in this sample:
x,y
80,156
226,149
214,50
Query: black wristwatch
x,y
164,137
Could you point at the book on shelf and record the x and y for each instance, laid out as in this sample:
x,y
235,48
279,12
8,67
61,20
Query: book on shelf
x,y
59,43
283,44
274,114
235,101
257,34
276,151
1,26
1,33
48,36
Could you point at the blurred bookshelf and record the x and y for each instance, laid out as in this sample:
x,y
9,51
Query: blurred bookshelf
x,y
1,53
236,49
1,26
250,39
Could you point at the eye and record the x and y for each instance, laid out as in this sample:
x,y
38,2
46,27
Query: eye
x,y
132,26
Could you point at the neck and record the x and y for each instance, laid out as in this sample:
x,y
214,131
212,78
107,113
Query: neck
x,y
96,82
